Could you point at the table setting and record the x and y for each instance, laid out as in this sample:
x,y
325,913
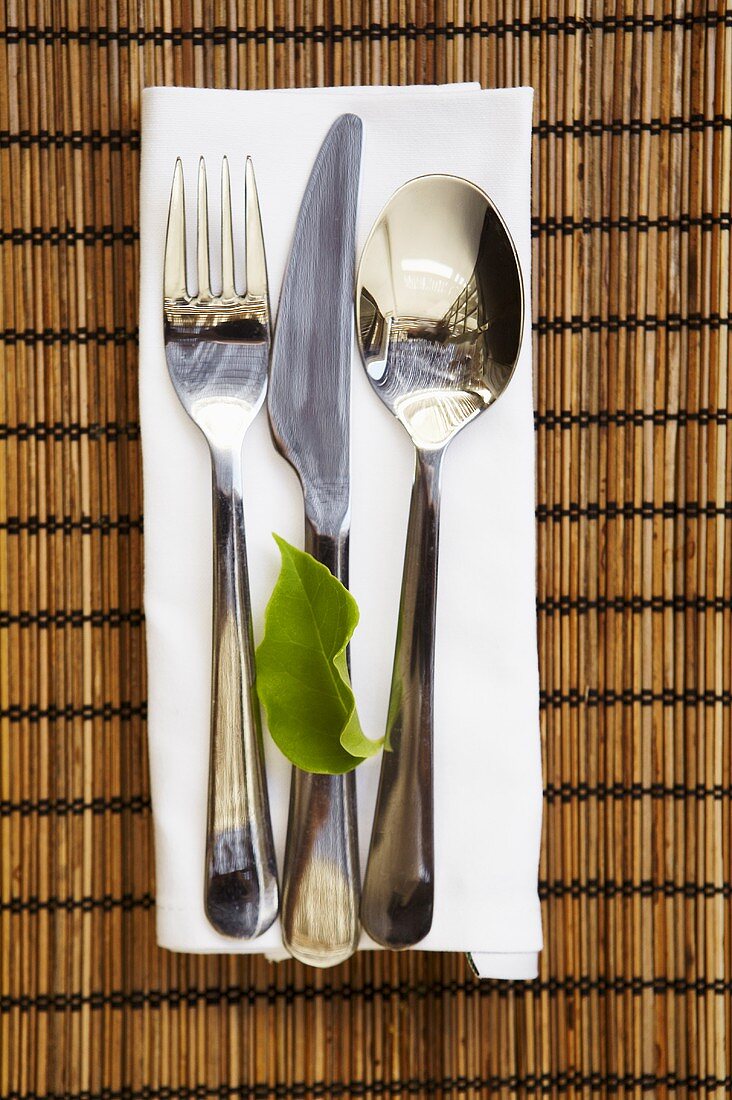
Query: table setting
x,y
364,550
358,234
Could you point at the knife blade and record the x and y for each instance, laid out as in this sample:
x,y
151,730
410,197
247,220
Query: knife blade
x,y
309,386
308,400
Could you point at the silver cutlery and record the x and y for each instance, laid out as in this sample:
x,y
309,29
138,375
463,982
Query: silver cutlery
x,y
309,410
217,349
439,302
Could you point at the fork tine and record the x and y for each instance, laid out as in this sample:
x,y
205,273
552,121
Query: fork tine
x,y
174,282
256,266
228,288
204,277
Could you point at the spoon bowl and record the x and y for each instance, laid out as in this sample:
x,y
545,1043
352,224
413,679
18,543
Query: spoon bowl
x,y
439,312
439,306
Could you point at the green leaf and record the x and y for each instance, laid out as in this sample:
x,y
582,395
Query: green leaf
x,y
302,675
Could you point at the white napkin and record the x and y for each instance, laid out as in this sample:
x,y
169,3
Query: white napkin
x,y
487,755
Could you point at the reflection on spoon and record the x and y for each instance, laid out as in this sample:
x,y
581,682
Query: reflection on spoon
x,y
439,304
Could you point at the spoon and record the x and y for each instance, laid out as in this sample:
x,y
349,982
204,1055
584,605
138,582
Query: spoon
x,y
439,317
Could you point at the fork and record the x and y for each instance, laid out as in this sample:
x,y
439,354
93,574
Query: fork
x,y
217,349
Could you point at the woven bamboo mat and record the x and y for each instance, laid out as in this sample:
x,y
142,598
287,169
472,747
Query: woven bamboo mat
x,y
631,221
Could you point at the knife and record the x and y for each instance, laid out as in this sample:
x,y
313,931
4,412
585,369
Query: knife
x,y
308,399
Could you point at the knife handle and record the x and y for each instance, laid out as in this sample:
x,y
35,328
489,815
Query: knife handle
x,y
322,880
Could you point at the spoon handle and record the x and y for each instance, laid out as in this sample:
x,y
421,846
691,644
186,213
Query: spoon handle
x,y
398,890
322,877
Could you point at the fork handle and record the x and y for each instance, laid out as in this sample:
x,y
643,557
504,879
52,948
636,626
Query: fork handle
x,y
322,879
241,873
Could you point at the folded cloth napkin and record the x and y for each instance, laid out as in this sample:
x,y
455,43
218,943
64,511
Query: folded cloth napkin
x,y
487,755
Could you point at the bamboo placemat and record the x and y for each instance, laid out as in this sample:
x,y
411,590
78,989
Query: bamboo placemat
x,y
632,193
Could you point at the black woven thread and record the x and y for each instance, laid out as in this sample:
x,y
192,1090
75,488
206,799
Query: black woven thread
x,y
95,139
636,605
599,1082
44,619
107,712
49,336
641,223
554,792
336,32
66,525
111,431
583,985
622,418
57,235
590,889
74,807
630,697
634,792
540,227
550,420
115,618
673,322
106,903
116,140
647,509
609,889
